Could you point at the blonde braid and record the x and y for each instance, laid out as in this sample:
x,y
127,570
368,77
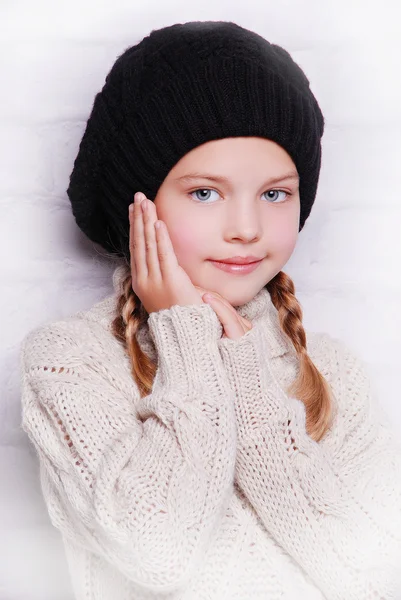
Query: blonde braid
x,y
310,386
130,316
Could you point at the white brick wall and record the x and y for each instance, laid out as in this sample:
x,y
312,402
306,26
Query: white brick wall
x,y
346,267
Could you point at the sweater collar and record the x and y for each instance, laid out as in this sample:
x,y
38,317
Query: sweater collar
x,y
259,309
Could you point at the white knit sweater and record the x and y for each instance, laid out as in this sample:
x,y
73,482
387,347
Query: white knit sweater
x,y
209,487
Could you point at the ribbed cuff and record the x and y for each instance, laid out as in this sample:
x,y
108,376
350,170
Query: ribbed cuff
x,y
185,338
259,400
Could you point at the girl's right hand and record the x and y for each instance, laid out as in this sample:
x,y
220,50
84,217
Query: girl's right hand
x,y
157,278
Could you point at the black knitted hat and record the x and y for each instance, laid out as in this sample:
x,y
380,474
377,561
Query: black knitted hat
x,y
178,88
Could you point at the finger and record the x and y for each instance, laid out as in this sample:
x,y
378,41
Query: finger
x,y
247,324
231,307
216,295
233,327
201,290
138,250
165,250
131,209
149,219
224,301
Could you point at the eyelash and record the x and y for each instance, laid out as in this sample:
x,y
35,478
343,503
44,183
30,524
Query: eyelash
x,y
289,194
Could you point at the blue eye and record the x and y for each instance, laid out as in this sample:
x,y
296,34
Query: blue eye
x,y
276,192
202,190
207,190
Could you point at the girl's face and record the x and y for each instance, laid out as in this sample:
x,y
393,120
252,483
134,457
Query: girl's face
x,y
246,214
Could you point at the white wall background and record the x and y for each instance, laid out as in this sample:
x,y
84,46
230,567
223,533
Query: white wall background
x,y
346,267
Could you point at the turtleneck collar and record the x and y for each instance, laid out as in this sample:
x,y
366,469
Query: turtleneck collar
x,y
260,308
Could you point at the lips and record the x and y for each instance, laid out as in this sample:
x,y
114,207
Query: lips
x,y
236,268
238,260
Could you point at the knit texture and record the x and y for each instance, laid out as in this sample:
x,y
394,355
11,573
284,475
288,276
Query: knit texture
x,y
210,487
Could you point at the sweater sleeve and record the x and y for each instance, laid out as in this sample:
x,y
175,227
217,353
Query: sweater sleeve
x,y
140,482
333,505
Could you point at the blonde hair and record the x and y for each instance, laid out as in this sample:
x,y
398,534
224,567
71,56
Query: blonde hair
x,y
310,386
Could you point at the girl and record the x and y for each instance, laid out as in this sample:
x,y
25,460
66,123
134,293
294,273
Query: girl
x,y
208,447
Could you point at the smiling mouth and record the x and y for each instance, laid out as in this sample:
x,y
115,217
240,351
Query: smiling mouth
x,y
236,268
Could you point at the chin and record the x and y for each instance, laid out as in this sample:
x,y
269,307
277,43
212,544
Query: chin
x,y
238,291
242,296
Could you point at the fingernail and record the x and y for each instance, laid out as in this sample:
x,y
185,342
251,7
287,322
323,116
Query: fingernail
x,y
207,297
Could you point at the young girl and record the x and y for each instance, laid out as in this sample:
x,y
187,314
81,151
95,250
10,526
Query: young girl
x,y
194,447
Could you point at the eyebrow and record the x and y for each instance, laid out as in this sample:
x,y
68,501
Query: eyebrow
x,y
219,179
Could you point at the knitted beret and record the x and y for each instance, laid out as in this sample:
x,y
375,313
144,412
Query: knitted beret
x,y
179,87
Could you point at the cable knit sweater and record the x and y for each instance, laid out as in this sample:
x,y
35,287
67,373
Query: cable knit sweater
x,y
210,487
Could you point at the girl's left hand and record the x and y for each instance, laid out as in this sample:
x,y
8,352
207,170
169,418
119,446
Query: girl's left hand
x,y
234,325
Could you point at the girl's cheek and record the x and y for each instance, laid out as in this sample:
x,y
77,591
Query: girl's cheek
x,y
187,240
283,242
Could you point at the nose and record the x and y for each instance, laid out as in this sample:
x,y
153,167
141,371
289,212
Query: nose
x,y
244,221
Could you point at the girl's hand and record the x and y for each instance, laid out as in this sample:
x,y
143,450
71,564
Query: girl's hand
x,y
234,325
157,278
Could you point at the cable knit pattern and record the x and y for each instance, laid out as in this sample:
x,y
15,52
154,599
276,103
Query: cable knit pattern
x,y
303,492
210,487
